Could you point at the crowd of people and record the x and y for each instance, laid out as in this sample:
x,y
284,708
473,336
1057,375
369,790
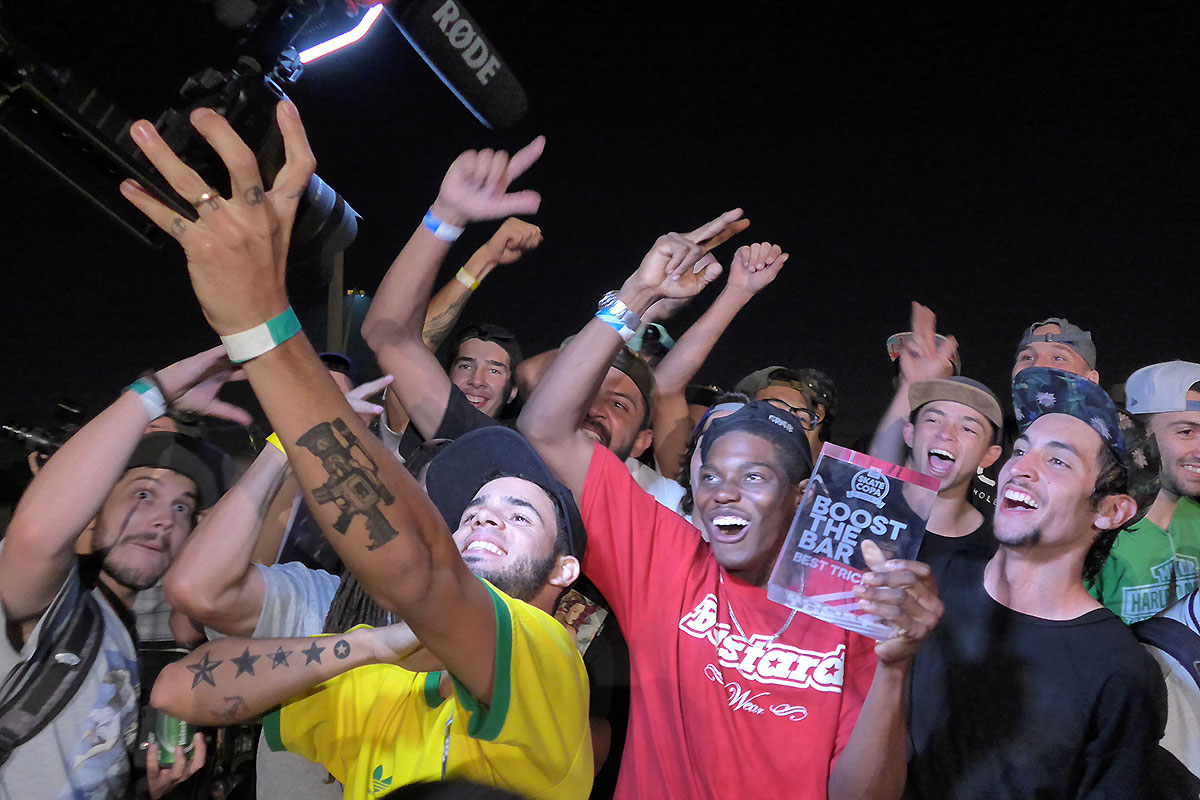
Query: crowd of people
x,y
430,593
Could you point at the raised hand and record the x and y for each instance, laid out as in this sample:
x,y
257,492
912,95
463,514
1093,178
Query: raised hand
x,y
901,594
193,384
514,238
755,266
922,356
357,397
237,248
476,185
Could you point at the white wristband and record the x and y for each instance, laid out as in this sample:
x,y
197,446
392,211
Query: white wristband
x,y
152,399
441,229
261,338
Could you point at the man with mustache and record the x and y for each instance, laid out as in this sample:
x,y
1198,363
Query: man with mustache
x,y
1030,687
1155,562
68,620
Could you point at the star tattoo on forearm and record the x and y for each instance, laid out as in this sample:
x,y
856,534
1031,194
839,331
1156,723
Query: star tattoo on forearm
x,y
204,671
279,658
245,663
313,654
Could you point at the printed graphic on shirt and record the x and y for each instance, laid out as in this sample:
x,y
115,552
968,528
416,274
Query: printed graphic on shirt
x,y
1142,602
109,730
761,660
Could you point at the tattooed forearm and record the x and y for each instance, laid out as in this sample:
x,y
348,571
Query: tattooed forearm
x,y
279,658
354,486
341,649
438,328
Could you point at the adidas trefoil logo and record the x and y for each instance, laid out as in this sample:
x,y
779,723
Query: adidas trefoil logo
x,y
380,784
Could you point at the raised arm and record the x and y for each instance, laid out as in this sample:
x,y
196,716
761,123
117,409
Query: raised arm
x,y
676,266
70,488
395,327
383,526
233,680
922,358
753,268
874,763
212,580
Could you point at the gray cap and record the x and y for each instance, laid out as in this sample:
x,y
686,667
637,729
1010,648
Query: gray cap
x,y
1072,336
1161,388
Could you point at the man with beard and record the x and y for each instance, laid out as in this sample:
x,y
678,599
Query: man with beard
x,y
953,430
1155,562
509,659
68,624
1029,687
384,707
733,694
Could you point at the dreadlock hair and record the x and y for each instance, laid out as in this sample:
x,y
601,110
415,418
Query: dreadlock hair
x,y
351,604
1111,479
687,502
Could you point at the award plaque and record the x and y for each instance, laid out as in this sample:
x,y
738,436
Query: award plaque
x,y
850,498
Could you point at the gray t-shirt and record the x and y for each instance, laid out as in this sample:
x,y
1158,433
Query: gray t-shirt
x,y
86,751
295,602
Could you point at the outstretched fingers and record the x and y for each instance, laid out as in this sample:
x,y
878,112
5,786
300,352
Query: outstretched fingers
x,y
299,162
245,180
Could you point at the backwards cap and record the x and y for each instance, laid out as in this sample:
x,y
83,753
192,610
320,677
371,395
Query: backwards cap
x,y
487,332
1072,336
207,465
762,419
1161,388
471,460
1039,391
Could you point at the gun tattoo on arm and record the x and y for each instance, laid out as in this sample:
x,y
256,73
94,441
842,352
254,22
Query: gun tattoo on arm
x,y
354,486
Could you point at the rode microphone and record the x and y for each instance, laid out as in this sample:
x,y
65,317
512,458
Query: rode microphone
x,y
454,47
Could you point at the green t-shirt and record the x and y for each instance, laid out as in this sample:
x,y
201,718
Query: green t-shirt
x,y
1149,568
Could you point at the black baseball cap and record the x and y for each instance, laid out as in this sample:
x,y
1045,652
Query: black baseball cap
x,y
760,418
209,467
487,332
484,454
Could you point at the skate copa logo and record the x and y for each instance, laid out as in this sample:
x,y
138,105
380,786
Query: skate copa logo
x,y
870,485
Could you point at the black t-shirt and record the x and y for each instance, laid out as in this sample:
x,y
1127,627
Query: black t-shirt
x,y
936,549
460,418
1006,705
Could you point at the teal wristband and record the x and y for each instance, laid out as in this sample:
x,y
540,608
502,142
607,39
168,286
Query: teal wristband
x,y
262,338
152,399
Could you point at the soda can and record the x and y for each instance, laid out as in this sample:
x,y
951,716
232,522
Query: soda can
x,y
171,732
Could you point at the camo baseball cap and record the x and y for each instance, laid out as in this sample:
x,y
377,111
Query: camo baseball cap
x,y
1039,391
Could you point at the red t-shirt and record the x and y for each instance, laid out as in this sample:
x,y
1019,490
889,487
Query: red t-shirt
x,y
712,714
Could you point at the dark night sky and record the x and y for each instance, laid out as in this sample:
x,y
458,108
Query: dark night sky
x,y
1002,165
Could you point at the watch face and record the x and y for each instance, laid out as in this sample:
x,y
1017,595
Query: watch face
x,y
608,300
